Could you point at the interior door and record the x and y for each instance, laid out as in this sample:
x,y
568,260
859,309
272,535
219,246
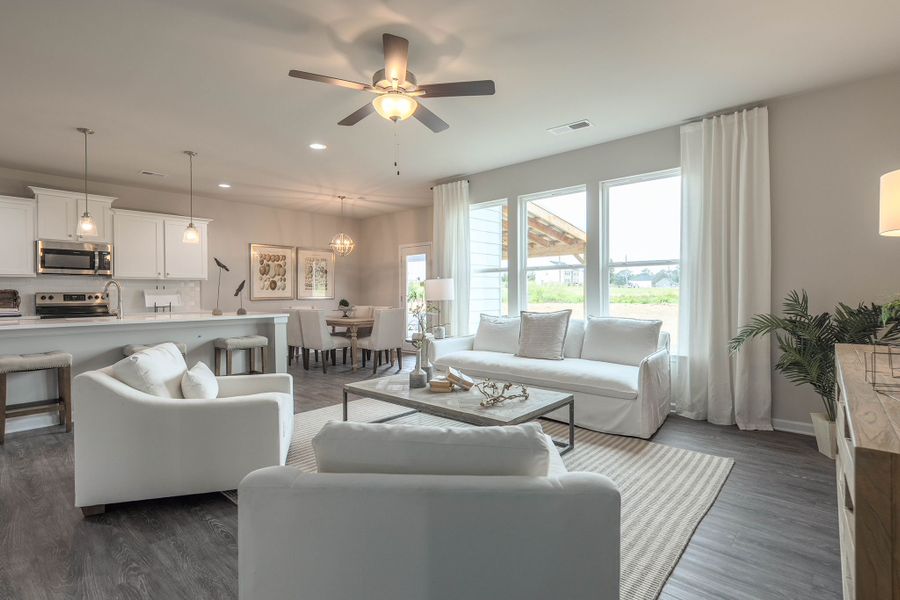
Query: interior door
x,y
415,268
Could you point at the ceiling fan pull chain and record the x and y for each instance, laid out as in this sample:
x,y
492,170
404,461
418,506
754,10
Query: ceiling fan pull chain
x,y
396,149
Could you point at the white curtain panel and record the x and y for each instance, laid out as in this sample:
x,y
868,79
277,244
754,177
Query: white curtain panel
x,y
726,269
450,247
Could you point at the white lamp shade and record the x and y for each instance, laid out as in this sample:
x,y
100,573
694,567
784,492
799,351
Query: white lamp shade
x,y
889,205
439,290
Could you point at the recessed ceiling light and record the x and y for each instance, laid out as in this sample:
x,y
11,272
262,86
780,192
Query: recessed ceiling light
x,y
225,185
317,146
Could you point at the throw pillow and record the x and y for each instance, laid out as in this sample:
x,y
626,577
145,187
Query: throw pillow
x,y
543,335
199,382
621,341
156,371
350,447
574,339
497,334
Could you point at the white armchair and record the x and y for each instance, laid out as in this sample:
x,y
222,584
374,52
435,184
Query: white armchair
x,y
336,536
317,337
387,335
130,445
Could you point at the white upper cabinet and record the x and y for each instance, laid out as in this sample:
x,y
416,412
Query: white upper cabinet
x,y
17,237
137,246
150,246
58,212
184,261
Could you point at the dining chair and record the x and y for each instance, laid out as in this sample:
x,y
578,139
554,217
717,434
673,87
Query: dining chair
x,y
387,335
318,337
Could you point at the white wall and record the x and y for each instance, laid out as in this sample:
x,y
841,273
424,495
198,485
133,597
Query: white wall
x,y
380,241
235,225
828,149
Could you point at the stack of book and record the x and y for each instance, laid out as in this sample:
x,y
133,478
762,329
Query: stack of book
x,y
460,379
441,385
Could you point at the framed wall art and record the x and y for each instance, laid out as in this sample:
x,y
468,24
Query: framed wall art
x,y
272,272
315,274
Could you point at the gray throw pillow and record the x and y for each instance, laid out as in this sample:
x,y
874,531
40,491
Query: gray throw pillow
x,y
543,335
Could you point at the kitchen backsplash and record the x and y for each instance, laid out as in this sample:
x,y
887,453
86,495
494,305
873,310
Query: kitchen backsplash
x,y
132,298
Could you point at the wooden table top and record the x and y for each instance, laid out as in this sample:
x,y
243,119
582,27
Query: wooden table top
x,y
349,321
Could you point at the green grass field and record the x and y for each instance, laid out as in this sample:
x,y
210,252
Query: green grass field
x,y
555,293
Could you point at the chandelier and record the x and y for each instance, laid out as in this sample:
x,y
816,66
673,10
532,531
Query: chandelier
x,y
342,244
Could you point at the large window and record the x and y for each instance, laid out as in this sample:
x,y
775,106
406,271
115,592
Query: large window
x,y
555,251
489,239
642,217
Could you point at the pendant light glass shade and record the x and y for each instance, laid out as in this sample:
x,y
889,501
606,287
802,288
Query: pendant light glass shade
x,y
86,225
191,234
342,244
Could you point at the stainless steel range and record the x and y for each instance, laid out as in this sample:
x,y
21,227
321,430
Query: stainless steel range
x,y
67,305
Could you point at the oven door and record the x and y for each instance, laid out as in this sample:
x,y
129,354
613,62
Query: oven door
x,y
68,259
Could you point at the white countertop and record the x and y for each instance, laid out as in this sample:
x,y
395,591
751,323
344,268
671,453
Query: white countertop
x,y
21,323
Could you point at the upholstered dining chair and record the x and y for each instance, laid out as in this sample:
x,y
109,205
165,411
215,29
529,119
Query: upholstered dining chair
x,y
388,334
318,337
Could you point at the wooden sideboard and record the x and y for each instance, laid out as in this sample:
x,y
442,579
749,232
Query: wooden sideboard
x,y
868,479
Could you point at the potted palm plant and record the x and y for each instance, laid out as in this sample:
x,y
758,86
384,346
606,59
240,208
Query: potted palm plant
x,y
806,342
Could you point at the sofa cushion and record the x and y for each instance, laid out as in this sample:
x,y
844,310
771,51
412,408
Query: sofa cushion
x,y
618,340
199,382
156,371
497,334
350,447
569,375
543,335
574,339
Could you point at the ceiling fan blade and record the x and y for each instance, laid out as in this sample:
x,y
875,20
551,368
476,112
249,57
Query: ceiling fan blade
x,y
396,53
429,119
353,85
485,87
358,115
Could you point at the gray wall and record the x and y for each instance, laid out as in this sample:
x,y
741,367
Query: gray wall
x,y
235,225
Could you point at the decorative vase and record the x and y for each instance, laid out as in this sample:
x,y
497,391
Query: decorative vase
x,y
826,436
418,377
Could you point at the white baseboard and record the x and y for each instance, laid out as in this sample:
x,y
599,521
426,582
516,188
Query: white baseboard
x,y
804,427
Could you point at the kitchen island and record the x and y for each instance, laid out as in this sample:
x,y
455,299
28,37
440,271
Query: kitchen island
x,y
97,342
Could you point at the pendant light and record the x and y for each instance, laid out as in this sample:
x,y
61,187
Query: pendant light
x,y
191,233
342,244
86,225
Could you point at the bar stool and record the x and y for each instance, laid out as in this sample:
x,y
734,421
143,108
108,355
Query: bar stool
x,y
132,348
246,342
22,363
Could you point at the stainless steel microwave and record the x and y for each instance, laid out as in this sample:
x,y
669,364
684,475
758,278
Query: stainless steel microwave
x,y
74,258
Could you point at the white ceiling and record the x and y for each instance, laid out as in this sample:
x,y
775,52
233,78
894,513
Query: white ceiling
x,y
155,77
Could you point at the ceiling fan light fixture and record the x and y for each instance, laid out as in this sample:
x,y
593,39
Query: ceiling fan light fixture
x,y
395,106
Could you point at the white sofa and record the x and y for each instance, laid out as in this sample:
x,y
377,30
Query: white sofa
x,y
336,536
130,445
631,397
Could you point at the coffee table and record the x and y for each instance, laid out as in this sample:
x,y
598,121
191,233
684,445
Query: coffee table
x,y
464,406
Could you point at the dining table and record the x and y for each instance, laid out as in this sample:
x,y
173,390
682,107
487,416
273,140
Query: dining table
x,y
353,325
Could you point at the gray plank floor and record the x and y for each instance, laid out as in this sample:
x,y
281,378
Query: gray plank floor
x,y
772,533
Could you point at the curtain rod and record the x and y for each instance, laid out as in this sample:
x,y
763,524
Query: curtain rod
x,y
454,181
724,111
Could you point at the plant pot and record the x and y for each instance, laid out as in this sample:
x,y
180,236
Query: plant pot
x,y
826,434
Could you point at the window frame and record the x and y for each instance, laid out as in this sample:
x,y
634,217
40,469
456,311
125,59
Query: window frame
x,y
522,246
490,204
605,264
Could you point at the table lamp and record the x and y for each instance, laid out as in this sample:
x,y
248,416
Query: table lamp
x,y
439,290
888,206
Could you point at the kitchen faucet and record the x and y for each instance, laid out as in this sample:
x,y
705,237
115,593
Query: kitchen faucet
x,y
120,313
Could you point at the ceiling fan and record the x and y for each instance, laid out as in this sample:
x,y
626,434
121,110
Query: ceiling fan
x,y
398,93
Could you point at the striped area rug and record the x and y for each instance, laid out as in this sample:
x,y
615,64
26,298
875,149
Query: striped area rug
x,y
665,491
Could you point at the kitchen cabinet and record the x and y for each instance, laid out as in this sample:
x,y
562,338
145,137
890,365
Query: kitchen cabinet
x,y
58,212
17,231
149,246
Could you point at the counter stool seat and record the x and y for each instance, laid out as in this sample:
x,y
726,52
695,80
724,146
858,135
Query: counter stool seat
x,y
22,363
251,343
132,348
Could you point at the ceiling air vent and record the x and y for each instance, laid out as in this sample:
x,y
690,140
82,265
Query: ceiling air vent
x,y
569,127
153,174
